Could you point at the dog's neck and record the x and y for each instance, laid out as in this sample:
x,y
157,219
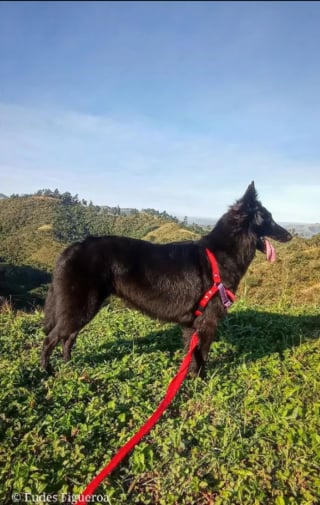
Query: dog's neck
x,y
234,248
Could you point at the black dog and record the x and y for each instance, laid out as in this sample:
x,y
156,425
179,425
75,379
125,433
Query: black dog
x,y
165,281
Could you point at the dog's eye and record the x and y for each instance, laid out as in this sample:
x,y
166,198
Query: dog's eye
x,y
259,219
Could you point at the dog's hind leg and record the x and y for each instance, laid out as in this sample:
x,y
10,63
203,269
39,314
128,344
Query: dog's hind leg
x,y
68,344
72,314
50,311
60,333
49,344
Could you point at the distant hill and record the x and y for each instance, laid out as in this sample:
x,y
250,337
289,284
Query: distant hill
x,y
26,231
2,196
170,232
306,230
294,278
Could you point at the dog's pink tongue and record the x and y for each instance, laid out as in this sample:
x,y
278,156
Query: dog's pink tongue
x,y
270,251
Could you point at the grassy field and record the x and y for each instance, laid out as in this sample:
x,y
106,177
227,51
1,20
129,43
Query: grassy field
x,y
248,434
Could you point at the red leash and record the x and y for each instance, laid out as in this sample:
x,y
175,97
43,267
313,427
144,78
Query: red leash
x,y
172,390
227,298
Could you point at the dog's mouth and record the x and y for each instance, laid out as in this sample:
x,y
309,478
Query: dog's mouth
x,y
265,246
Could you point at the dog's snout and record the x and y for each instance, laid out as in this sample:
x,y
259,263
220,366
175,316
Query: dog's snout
x,y
285,236
279,233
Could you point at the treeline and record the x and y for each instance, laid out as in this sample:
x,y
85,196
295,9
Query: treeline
x,y
68,199
63,197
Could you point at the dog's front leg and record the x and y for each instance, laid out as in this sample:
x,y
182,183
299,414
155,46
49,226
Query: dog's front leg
x,y
197,361
206,330
200,355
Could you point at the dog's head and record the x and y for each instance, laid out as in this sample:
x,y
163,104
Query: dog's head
x,y
260,222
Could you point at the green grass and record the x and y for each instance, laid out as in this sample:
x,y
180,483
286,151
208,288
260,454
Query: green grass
x,y
248,434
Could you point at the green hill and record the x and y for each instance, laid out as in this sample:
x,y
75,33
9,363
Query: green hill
x,y
34,229
293,279
26,235
170,232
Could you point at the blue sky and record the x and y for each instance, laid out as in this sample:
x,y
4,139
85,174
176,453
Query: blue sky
x,y
170,105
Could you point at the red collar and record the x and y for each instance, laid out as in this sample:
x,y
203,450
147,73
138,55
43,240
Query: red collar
x,y
227,297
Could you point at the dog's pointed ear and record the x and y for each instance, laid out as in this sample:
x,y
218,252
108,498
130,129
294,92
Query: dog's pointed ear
x,y
249,199
246,206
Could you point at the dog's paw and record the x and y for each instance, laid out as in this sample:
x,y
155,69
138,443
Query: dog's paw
x,y
194,373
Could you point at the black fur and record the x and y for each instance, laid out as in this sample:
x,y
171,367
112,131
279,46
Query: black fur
x,y
164,281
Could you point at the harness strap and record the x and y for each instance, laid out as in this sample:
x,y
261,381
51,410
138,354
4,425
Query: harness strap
x,y
227,297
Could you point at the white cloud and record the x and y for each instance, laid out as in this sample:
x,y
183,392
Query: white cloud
x,y
133,162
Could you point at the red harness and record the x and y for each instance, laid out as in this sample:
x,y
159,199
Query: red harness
x,y
227,297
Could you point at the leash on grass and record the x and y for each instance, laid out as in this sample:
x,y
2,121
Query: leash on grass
x,y
227,298
172,390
